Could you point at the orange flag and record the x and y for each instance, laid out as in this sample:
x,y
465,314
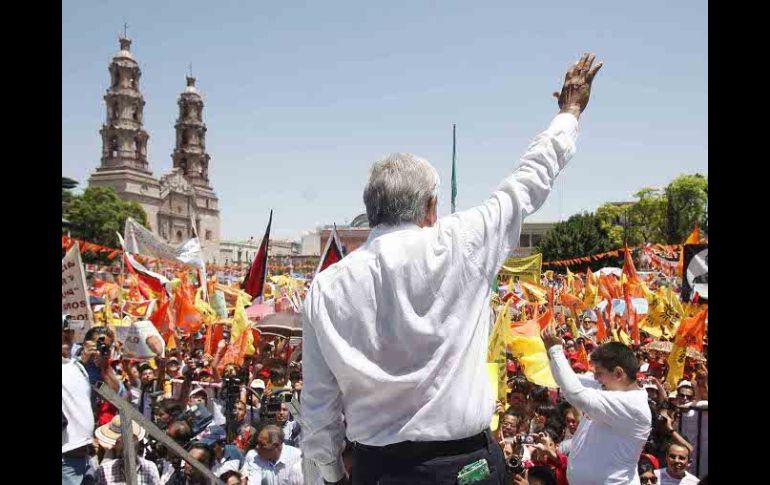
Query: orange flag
x,y
160,317
582,355
188,318
601,328
628,267
571,301
550,296
693,238
691,331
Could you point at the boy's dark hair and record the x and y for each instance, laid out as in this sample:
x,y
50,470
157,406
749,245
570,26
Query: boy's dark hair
x,y
615,354
543,473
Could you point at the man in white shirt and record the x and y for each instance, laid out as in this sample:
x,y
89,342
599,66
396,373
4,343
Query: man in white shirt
x,y
675,473
396,333
616,417
76,403
271,463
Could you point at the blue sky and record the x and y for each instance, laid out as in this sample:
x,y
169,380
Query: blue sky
x,y
301,97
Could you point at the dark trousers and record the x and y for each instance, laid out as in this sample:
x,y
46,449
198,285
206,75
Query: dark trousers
x,y
426,462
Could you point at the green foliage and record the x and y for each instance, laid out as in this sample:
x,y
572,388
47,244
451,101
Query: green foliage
x,y
67,184
99,214
580,235
687,197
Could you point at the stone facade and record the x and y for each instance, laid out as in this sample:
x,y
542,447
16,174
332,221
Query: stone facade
x,y
182,202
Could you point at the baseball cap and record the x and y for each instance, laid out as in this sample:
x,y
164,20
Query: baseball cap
x,y
684,384
258,384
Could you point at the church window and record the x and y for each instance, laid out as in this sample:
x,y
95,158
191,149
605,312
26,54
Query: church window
x,y
179,235
115,111
136,114
114,146
208,235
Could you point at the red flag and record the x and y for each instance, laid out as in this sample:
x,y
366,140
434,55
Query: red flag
x,y
153,281
254,283
332,253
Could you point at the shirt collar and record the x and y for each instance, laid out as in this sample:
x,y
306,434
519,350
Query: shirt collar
x,y
382,229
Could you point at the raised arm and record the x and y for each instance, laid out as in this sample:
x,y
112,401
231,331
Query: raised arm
x,y
491,230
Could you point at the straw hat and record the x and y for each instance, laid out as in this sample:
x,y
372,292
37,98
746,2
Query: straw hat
x,y
109,433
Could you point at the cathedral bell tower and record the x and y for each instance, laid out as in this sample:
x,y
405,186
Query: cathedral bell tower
x,y
190,151
123,164
124,141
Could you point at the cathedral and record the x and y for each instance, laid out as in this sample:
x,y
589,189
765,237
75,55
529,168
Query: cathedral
x,y
182,203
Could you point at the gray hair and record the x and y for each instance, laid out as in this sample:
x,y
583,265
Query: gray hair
x,y
399,188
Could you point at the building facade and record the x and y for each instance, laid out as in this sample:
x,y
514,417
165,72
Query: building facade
x,y
181,203
355,235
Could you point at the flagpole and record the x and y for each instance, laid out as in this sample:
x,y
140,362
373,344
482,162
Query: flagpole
x,y
454,171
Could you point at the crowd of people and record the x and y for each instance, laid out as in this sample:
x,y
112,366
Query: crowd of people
x,y
239,423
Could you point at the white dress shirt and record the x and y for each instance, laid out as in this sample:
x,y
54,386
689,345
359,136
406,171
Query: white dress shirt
x,y
263,472
76,406
612,431
395,334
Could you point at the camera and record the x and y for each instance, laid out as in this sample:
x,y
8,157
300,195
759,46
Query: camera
x,y
271,406
521,439
514,466
102,347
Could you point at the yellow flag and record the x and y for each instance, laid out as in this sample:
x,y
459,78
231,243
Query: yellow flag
x,y
209,314
676,361
570,280
624,338
533,293
528,268
531,354
241,324
591,294
501,334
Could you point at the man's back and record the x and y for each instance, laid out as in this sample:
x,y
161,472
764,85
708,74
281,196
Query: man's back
x,y
385,319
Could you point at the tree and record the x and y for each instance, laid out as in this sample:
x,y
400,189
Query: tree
x,y
648,216
636,222
580,235
99,214
687,197
67,184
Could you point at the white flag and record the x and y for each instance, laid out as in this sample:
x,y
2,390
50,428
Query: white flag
x,y
140,240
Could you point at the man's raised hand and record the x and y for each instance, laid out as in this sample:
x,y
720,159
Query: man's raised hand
x,y
577,85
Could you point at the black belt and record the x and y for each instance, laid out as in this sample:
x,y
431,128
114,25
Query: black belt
x,y
421,450
81,452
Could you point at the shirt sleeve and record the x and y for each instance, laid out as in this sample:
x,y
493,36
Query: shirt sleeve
x,y
491,230
607,407
321,409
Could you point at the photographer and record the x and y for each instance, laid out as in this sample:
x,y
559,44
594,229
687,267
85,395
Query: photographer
x,y
78,375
